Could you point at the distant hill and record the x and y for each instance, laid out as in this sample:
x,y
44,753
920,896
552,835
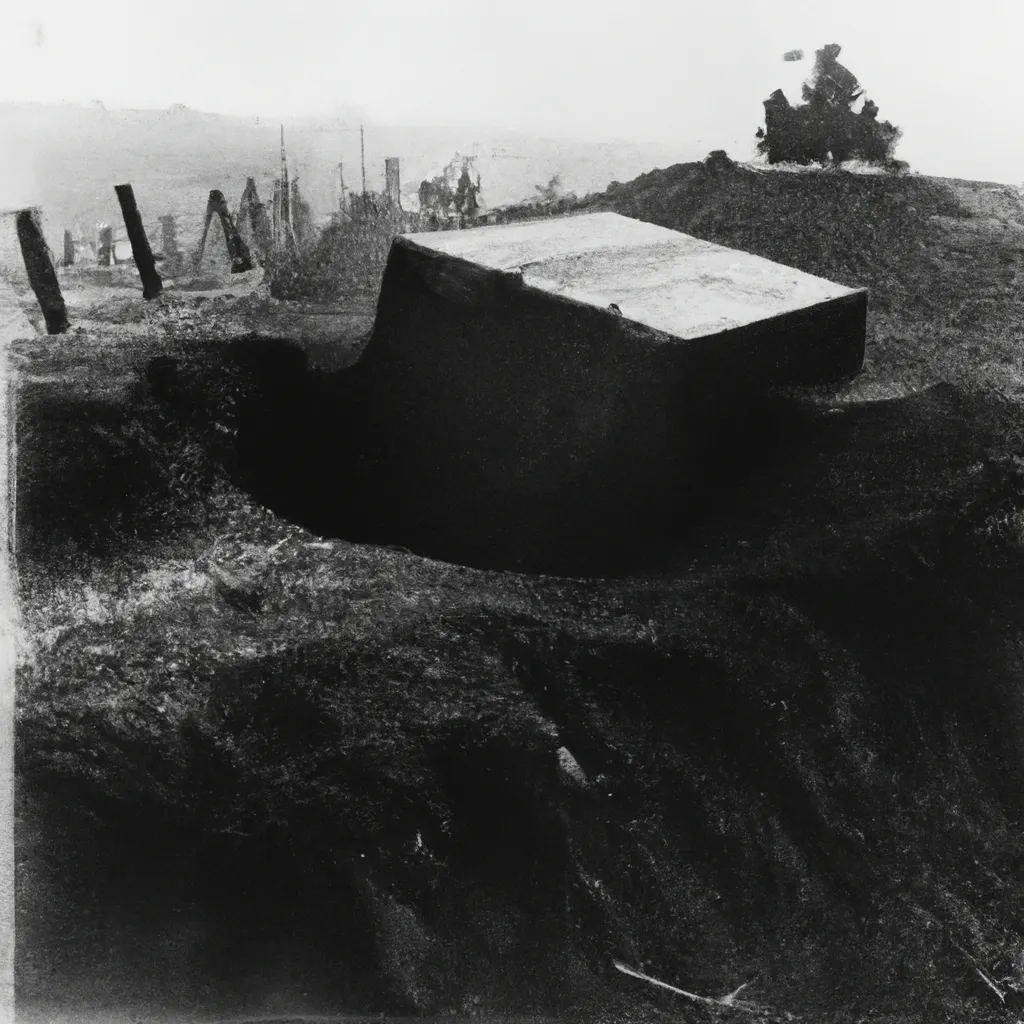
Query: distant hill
x,y
67,158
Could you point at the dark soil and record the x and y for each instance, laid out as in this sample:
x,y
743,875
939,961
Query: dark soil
x,y
260,768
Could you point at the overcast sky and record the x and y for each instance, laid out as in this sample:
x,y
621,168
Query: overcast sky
x,y
950,75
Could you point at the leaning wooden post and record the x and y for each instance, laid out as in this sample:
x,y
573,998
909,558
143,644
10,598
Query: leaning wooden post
x,y
41,275
241,261
152,286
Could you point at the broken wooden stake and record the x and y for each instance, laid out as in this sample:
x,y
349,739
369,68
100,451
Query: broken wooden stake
x,y
41,275
253,223
152,286
241,261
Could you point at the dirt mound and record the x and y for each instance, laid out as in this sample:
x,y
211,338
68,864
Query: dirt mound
x,y
267,769
825,222
799,759
941,307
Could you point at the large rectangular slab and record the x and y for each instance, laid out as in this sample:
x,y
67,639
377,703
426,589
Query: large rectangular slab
x,y
663,279
535,387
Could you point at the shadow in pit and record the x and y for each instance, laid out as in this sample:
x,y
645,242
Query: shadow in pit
x,y
304,449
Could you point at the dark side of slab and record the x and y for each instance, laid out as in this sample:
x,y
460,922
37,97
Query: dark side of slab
x,y
511,419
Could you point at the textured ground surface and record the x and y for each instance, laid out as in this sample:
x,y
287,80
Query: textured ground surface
x,y
268,770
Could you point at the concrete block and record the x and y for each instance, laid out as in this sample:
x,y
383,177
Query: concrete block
x,y
535,389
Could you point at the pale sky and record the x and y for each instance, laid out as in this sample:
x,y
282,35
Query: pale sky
x,y
646,70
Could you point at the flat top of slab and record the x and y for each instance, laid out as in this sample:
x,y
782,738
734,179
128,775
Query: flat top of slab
x,y
664,279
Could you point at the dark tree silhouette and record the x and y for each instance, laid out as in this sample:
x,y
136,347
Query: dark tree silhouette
x,y
824,128
452,192
436,197
466,194
425,194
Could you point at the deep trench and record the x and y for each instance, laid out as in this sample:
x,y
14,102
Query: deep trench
x,y
305,449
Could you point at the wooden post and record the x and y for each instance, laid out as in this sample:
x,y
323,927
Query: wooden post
x,y
298,233
393,183
287,234
253,213
41,274
362,159
152,286
69,249
278,234
241,260
169,244
105,252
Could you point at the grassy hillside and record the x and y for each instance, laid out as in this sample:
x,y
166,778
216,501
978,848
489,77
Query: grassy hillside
x,y
263,769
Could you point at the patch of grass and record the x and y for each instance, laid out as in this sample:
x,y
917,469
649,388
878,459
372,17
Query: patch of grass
x,y
347,259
